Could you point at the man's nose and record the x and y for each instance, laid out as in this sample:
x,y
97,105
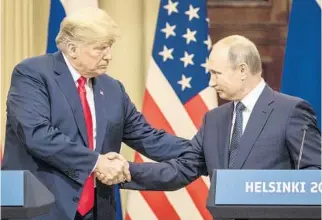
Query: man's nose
x,y
108,54
212,81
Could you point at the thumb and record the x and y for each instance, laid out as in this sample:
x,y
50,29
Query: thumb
x,y
112,156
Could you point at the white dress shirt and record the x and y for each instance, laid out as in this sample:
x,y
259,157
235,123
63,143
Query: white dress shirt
x,y
89,95
249,102
90,100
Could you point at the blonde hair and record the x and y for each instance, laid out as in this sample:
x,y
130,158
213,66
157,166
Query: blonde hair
x,y
87,25
242,50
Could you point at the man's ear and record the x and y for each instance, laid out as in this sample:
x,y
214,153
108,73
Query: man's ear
x,y
72,49
243,70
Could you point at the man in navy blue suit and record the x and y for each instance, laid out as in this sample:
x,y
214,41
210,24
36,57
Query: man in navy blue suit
x,y
259,129
65,118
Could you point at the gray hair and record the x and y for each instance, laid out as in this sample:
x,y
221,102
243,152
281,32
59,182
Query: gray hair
x,y
87,25
242,50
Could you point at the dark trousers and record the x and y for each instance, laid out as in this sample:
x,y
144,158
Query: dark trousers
x,y
91,215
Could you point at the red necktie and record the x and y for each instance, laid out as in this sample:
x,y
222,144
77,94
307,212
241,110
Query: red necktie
x,y
86,201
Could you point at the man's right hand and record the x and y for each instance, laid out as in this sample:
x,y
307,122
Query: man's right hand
x,y
112,168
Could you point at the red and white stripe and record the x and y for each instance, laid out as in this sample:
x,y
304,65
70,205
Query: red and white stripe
x,y
163,109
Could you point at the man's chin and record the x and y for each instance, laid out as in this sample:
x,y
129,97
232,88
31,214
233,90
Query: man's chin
x,y
223,96
99,72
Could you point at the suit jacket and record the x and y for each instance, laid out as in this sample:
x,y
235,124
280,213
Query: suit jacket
x,y
46,132
271,140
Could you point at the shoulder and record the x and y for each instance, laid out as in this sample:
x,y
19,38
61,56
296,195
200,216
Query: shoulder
x,y
287,103
284,99
35,66
292,107
109,82
218,111
37,62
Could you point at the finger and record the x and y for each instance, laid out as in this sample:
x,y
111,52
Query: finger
x,y
98,173
107,179
117,168
109,183
127,176
115,181
109,176
100,177
118,156
121,179
126,172
112,156
112,173
118,178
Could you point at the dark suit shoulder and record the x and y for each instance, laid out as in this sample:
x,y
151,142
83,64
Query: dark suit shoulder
x,y
36,60
220,109
105,78
286,101
111,83
288,98
38,64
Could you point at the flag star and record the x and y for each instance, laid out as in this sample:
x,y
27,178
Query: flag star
x,y
171,7
208,21
184,82
169,30
190,36
206,65
187,59
208,42
166,53
192,12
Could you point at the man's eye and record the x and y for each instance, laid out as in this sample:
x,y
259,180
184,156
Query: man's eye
x,y
101,48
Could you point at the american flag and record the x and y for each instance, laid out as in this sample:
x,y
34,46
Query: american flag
x,y
176,98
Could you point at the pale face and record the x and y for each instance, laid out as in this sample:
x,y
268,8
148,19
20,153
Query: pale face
x,y
91,60
224,79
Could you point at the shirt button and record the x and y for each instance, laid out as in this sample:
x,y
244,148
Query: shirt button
x,y
75,199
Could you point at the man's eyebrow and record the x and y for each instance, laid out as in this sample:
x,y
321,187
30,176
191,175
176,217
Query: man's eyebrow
x,y
215,71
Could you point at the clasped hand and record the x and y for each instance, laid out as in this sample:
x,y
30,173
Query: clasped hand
x,y
112,168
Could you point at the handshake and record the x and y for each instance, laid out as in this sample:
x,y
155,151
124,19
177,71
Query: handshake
x,y
112,168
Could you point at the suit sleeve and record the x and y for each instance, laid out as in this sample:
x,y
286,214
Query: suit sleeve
x,y
152,143
303,115
28,110
172,174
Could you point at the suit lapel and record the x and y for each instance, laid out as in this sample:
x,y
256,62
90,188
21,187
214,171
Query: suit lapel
x,y
100,97
224,134
67,85
255,125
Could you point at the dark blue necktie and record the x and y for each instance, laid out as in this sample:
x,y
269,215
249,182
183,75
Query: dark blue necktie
x,y
237,134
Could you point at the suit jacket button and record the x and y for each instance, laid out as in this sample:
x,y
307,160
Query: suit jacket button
x,y
75,199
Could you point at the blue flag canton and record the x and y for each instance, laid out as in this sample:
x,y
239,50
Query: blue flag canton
x,y
182,45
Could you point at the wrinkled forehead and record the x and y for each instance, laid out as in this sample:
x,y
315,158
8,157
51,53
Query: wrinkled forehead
x,y
91,43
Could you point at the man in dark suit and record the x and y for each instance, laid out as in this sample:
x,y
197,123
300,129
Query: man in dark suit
x,y
65,117
258,129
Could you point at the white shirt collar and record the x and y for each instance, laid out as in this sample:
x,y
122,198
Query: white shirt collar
x,y
251,98
72,70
